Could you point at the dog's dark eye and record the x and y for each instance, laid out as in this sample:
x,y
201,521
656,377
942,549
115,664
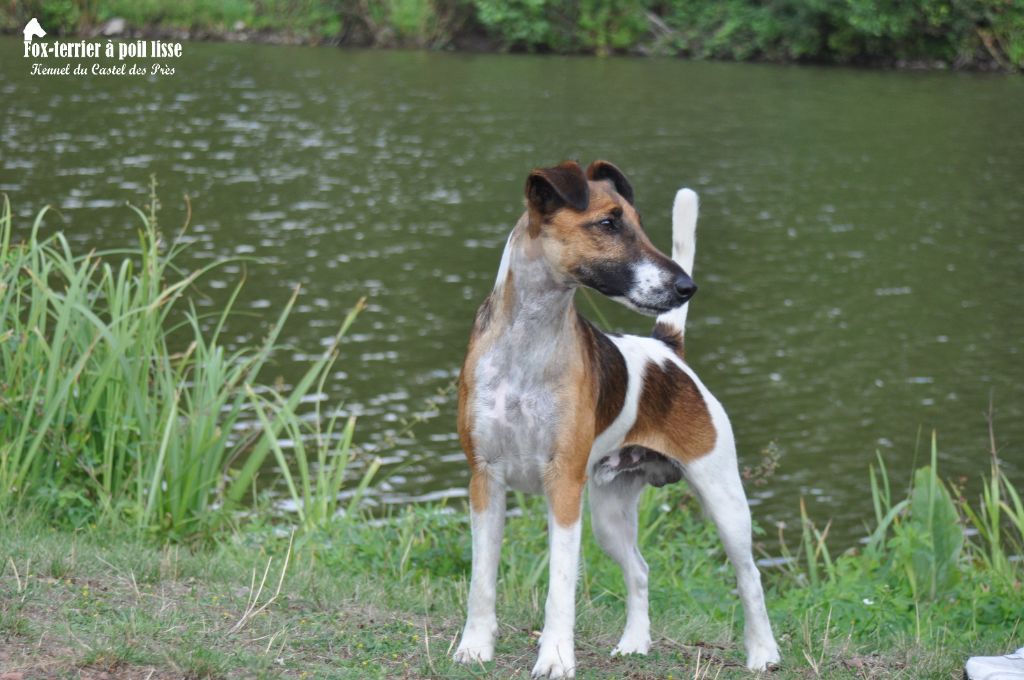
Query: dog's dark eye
x,y
609,223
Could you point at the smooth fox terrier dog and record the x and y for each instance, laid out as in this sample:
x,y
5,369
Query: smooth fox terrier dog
x,y
549,404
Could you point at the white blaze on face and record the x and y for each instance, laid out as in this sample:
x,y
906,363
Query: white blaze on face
x,y
648,280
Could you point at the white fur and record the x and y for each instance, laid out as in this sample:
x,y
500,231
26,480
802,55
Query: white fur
x,y
506,256
684,228
647,277
684,248
557,656
514,404
614,520
477,644
715,478
626,302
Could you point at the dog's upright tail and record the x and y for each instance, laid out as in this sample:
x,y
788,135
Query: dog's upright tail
x,y
672,325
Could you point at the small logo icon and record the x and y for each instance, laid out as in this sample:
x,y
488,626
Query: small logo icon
x,y
33,30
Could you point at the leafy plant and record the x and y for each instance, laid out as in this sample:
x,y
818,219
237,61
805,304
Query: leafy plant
x,y
519,23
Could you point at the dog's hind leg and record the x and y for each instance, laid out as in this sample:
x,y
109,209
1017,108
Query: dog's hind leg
x,y
487,518
716,480
613,512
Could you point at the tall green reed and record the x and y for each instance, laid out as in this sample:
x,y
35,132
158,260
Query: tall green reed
x,y
921,544
100,419
999,517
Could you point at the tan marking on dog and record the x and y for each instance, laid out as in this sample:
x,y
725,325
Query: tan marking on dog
x,y
483,327
567,472
464,420
508,294
479,490
571,239
672,417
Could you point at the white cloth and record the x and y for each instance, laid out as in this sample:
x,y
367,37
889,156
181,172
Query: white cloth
x,y
1007,667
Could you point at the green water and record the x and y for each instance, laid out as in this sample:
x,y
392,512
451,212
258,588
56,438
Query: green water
x,y
861,243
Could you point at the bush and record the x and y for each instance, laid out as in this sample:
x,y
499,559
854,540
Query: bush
x,y
952,32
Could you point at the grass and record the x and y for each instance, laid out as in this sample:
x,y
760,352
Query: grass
x,y
385,598
102,419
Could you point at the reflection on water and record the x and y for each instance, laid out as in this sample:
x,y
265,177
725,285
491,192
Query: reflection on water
x,y
861,243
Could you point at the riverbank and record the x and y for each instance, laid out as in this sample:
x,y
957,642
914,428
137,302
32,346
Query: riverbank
x,y
984,35
385,599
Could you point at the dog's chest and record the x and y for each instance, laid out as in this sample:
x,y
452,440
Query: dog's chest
x,y
516,416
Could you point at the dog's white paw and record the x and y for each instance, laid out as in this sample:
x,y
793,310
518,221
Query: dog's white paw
x,y
633,642
760,656
469,653
557,659
476,646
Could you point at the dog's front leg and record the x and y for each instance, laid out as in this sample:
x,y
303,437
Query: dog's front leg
x,y
487,517
557,658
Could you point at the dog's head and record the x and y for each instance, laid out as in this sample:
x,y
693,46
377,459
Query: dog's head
x,y
590,233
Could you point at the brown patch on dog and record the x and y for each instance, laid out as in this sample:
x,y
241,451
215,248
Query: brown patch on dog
x,y
567,472
671,336
610,375
672,417
604,171
566,213
550,190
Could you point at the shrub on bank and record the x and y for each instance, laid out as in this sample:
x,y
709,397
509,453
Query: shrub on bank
x,y
966,33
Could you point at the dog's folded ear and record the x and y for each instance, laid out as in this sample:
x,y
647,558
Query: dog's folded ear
x,y
549,189
601,170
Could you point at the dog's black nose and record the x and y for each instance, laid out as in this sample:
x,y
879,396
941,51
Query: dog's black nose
x,y
685,288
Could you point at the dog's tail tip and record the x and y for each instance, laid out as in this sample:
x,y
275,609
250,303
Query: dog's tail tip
x,y
684,227
684,211
686,199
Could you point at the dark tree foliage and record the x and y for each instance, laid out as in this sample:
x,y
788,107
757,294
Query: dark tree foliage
x,y
956,33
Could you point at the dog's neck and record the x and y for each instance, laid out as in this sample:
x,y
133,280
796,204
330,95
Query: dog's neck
x,y
529,297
